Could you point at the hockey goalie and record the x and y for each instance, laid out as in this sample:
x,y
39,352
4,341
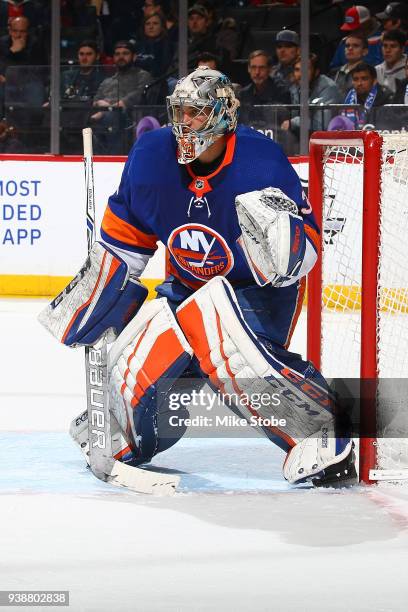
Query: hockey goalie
x,y
241,238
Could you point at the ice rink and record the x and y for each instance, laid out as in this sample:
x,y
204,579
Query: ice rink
x,y
235,538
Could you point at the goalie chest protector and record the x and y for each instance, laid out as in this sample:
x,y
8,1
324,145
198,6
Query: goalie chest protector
x,y
195,216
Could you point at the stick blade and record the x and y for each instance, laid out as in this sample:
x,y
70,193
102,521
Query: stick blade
x,y
142,481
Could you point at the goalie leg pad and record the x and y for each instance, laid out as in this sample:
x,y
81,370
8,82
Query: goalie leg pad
x,y
151,348
101,297
241,367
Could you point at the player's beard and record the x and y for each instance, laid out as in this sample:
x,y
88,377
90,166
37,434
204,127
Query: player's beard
x,y
123,67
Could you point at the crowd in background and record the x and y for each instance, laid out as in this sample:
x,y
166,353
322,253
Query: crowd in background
x,y
119,61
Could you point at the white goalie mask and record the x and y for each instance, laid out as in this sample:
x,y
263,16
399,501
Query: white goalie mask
x,y
204,96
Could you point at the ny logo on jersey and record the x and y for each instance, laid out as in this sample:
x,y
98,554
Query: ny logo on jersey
x,y
201,251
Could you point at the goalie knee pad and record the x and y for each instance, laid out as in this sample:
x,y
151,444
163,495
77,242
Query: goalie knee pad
x,y
151,348
101,297
236,362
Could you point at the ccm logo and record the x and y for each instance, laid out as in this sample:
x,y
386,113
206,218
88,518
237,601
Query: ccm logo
x,y
319,396
96,399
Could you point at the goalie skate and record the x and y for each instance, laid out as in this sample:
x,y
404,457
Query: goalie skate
x,y
342,474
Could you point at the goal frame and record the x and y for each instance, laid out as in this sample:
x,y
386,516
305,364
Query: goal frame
x,y
371,143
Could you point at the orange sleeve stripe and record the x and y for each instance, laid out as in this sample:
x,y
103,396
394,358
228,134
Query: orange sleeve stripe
x,y
313,236
124,232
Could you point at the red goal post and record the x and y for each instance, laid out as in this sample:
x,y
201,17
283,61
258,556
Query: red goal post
x,y
358,289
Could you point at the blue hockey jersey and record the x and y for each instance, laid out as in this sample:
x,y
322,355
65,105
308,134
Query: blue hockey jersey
x,y
194,216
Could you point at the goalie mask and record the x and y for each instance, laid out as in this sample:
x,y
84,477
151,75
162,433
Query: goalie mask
x,y
202,108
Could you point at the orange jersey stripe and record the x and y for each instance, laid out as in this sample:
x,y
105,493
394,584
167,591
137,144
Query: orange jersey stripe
x,y
313,235
124,232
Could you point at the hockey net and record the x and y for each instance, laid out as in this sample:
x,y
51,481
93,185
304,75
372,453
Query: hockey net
x,y
358,291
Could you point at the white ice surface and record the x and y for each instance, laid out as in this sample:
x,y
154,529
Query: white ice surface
x,y
235,538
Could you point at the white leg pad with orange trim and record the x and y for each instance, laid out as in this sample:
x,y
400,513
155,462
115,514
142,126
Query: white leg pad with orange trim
x,y
150,349
240,366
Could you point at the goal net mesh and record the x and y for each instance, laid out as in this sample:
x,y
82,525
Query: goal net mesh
x,y
343,172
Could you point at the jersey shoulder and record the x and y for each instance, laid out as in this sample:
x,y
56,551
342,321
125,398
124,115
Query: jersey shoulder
x,y
153,155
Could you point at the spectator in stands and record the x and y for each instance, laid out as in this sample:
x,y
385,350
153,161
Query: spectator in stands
x,y
356,49
154,7
401,93
208,59
81,82
322,91
155,51
393,66
19,47
126,86
209,6
287,52
394,17
358,20
119,92
366,92
79,85
22,82
263,88
200,36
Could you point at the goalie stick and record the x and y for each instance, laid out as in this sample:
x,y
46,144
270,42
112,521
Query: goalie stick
x,y
102,463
